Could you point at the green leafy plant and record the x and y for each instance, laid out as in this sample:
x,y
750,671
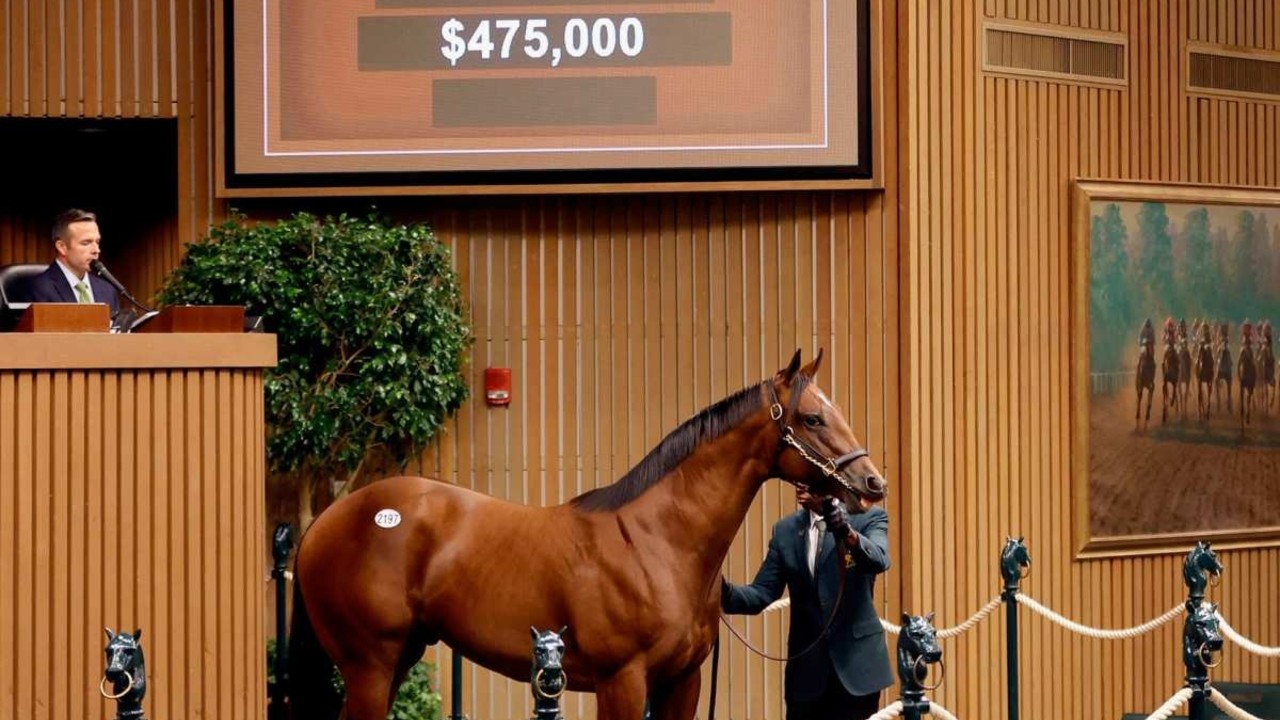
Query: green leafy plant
x,y
371,337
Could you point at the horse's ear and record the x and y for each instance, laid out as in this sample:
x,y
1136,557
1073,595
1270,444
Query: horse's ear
x,y
811,370
929,616
563,631
533,631
137,634
906,618
111,634
787,374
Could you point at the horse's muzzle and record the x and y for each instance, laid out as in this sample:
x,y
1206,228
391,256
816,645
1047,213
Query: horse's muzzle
x,y
872,487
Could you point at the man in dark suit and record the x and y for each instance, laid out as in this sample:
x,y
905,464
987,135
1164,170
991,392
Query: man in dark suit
x,y
842,677
76,240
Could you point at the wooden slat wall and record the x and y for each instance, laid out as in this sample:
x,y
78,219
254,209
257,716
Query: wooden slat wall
x,y
116,59
130,499
988,162
621,317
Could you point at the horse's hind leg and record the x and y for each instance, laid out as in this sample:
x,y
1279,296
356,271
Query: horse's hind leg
x,y
679,700
369,689
412,655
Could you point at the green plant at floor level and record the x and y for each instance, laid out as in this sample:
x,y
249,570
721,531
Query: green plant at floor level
x,y
417,699
371,338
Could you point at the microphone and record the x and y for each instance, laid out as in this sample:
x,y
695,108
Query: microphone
x,y
101,271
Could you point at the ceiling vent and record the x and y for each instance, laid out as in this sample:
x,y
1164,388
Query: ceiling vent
x,y
1064,54
1216,70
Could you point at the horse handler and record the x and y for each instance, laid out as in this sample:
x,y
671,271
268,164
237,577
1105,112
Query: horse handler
x,y
837,663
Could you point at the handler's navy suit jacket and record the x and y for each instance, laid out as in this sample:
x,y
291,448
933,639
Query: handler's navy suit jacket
x,y
51,286
855,644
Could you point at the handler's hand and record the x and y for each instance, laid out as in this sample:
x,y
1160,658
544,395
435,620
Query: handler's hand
x,y
836,517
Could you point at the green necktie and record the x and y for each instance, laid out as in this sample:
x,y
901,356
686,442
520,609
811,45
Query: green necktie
x,y
82,290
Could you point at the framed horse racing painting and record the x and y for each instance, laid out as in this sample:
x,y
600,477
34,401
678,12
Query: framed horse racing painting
x,y
1175,415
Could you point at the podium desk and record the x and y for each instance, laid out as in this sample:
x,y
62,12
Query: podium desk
x,y
132,481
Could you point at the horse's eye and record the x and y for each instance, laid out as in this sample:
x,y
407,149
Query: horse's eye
x,y
812,420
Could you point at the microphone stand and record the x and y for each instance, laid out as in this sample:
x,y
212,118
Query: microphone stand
x,y
101,271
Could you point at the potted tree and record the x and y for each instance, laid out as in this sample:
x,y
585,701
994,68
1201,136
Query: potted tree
x,y
371,334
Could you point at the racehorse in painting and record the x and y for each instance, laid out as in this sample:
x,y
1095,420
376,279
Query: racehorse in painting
x,y
632,568
1247,371
1145,378
1267,366
1222,369
1204,373
1184,367
1169,373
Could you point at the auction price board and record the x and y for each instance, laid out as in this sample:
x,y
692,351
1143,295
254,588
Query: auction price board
x,y
369,86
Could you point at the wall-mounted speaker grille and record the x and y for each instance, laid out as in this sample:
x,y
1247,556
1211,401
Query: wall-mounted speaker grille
x,y
1233,74
1054,53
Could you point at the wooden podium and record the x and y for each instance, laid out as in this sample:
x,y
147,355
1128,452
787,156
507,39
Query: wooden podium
x,y
65,318
196,319
132,495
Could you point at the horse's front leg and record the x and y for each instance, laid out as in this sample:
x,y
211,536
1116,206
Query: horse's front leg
x,y
622,696
678,699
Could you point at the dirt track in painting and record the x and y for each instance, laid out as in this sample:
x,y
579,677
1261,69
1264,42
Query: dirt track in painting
x,y
1181,476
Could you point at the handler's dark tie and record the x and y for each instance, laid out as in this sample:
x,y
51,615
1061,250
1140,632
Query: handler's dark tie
x,y
816,533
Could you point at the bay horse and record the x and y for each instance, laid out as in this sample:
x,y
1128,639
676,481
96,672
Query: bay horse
x,y
1169,374
1145,378
633,569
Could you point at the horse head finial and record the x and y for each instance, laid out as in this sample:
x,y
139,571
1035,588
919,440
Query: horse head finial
x,y
126,671
1015,561
1201,569
918,649
1201,639
548,679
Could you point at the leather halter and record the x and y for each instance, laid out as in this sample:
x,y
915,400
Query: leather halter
x,y
830,467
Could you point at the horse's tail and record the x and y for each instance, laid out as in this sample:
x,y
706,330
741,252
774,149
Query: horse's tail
x,y
312,693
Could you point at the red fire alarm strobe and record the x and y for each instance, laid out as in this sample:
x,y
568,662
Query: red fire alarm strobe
x,y
497,386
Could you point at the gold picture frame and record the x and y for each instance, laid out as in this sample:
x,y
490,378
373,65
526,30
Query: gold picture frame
x,y
1145,489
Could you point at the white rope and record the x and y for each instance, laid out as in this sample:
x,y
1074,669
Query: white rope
x,y
938,711
1226,706
1098,633
895,629
977,618
1245,642
1171,705
892,710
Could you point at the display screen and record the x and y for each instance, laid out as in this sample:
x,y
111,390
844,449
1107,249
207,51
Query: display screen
x,y
447,91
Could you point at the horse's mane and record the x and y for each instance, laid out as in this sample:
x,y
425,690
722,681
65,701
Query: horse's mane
x,y
709,424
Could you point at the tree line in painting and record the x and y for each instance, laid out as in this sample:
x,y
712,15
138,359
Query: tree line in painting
x,y
1177,263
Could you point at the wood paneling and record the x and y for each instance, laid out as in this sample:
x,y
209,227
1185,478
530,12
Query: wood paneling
x,y
130,498
986,235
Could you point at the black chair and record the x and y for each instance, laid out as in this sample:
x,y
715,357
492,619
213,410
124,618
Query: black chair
x,y
13,277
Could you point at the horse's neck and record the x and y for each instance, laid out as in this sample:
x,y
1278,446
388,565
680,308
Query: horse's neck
x,y
701,504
